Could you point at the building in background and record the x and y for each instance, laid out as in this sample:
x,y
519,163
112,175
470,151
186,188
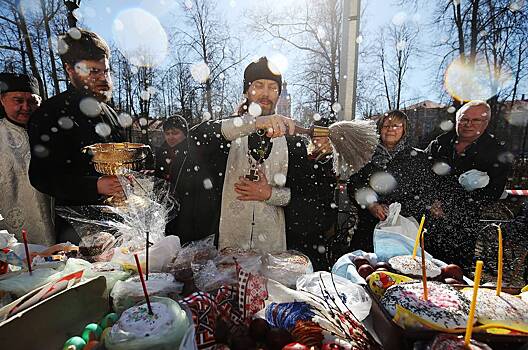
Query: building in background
x,y
428,119
284,103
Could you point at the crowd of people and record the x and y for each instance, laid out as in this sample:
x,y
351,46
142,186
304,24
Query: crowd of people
x,y
247,178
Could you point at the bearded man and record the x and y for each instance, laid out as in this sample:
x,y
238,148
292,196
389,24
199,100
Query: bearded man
x,y
253,184
76,118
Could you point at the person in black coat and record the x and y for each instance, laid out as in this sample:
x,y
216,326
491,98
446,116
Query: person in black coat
x,y
208,207
66,123
473,168
397,173
174,148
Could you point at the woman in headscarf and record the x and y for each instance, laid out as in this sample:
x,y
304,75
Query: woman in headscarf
x,y
396,173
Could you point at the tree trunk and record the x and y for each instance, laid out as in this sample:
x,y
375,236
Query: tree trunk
x,y
21,42
457,15
50,48
29,47
42,66
474,31
520,51
385,83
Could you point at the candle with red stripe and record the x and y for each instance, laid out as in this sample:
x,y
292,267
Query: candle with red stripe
x,y
517,192
138,265
26,247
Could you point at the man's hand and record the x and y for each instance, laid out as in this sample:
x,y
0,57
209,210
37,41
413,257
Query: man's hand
x,y
109,185
379,211
275,125
322,145
253,190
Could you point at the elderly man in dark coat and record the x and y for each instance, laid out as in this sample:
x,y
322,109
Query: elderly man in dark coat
x,y
474,168
71,120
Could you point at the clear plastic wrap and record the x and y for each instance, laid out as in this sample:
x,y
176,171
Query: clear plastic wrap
x,y
127,333
6,239
196,251
347,295
286,267
146,210
161,254
128,293
111,272
22,283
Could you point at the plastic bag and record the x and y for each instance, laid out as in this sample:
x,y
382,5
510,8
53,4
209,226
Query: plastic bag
x,y
286,267
208,277
6,239
345,267
161,254
395,235
128,293
148,207
22,283
167,336
111,272
188,341
197,250
210,274
474,179
295,309
348,295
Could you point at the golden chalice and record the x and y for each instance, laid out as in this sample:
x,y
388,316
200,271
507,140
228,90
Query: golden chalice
x,y
117,159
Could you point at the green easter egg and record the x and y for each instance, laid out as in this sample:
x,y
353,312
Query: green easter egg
x,y
92,331
109,320
77,342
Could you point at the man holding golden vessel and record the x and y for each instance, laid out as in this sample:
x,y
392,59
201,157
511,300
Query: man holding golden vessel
x,y
74,119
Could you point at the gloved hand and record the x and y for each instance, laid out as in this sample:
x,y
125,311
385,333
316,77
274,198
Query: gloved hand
x,y
473,179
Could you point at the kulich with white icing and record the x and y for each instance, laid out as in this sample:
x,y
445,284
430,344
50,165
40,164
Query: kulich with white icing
x,y
446,307
138,323
137,329
406,265
504,309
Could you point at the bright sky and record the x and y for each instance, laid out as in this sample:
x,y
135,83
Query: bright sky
x,y
101,15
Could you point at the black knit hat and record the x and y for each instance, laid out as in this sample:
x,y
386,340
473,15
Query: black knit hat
x,y
260,70
175,122
10,82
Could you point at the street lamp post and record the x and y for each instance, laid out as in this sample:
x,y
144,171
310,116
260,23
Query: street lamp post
x,y
348,59
72,5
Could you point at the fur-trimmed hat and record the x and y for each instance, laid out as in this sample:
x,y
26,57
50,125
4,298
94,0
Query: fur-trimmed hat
x,y
261,70
10,82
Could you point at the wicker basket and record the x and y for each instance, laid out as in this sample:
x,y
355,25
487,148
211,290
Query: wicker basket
x,y
117,158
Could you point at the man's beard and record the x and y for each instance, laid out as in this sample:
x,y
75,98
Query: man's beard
x,y
99,95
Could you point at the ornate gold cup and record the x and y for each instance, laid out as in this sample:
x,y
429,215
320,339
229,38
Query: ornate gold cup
x,y
117,159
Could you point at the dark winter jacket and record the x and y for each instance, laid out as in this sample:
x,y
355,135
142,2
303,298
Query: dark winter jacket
x,y
452,237
57,132
413,188
167,157
485,154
